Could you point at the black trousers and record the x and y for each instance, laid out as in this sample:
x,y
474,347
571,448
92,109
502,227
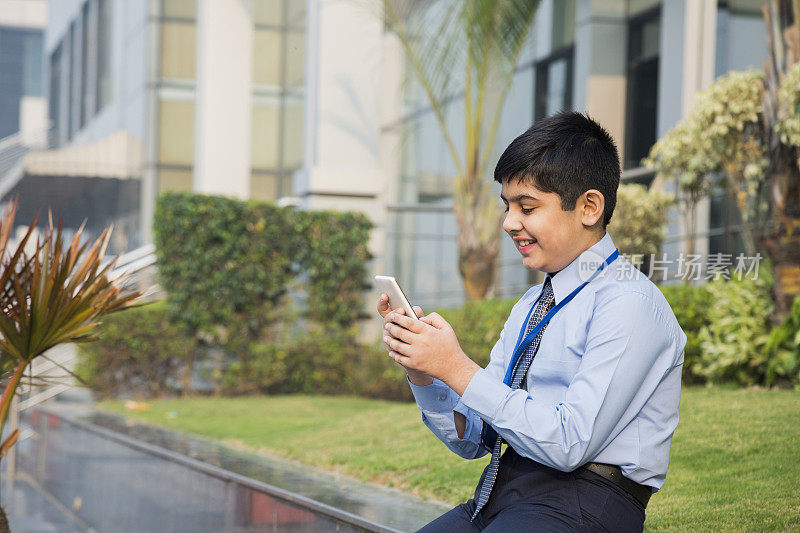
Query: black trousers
x,y
529,496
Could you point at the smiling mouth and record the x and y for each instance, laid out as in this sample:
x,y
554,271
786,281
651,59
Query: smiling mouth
x,y
525,245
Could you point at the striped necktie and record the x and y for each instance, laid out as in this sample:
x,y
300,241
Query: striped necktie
x,y
546,302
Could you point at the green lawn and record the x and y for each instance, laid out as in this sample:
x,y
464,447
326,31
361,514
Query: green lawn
x,y
735,463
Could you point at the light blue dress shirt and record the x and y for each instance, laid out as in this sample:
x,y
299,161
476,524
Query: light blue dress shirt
x,y
604,386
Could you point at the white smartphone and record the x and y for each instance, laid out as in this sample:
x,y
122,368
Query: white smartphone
x,y
397,299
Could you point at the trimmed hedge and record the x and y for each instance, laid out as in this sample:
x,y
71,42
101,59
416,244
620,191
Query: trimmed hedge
x,y
331,248
219,259
227,266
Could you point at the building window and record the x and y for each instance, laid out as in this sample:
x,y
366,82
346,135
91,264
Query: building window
x,y
176,133
72,79
267,185
85,51
178,50
265,130
183,9
642,95
267,54
103,94
20,73
563,24
725,225
55,91
278,96
553,91
32,63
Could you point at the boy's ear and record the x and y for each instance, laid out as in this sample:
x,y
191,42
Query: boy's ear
x,y
591,205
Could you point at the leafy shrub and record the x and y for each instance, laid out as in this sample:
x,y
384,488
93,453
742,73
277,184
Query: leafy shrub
x,y
640,219
330,363
226,266
690,303
735,339
478,326
783,349
140,354
218,258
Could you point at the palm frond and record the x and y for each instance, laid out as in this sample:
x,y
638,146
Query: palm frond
x,y
52,295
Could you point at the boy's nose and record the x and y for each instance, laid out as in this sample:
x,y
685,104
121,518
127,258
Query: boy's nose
x,y
511,223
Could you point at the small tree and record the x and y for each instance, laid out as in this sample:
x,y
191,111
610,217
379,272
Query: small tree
x,y
721,136
746,128
481,39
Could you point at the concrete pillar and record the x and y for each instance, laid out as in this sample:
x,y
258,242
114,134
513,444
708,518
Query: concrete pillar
x,y
354,73
601,51
699,44
223,101
341,167
149,189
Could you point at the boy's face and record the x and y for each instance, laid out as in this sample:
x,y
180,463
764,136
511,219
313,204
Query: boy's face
x,y
548,237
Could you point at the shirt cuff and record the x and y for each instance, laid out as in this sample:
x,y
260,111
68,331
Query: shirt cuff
x,y
484,394
472,431
434,397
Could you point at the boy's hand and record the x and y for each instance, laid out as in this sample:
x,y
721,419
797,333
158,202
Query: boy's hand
x,y
429,345
383,306
420,379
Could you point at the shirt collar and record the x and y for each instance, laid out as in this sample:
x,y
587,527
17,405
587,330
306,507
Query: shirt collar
x,y
570,277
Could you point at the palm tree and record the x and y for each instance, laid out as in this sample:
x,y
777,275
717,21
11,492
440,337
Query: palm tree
x,y
470,49
50,294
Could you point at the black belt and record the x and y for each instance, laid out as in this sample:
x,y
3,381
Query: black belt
x,y
614,474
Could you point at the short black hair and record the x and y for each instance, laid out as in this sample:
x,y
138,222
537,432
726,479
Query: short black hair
x,y
567,154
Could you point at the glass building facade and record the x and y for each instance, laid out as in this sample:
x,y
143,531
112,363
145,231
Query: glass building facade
x,y
579,55
277,95
80,86
80,71
549,78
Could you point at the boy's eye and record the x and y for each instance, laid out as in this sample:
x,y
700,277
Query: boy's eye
x,y
527,210
505,209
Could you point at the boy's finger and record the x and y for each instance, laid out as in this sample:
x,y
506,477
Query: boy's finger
x,y
392,312
418,310
435,320
399,333
383,305
395,344
409,323
398,357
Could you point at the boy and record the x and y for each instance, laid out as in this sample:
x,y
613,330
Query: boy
x,y
584,383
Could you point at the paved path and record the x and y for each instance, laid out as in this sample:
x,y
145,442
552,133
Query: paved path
x,y
170,481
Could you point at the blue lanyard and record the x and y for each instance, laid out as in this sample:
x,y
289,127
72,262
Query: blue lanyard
x,y
522,344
